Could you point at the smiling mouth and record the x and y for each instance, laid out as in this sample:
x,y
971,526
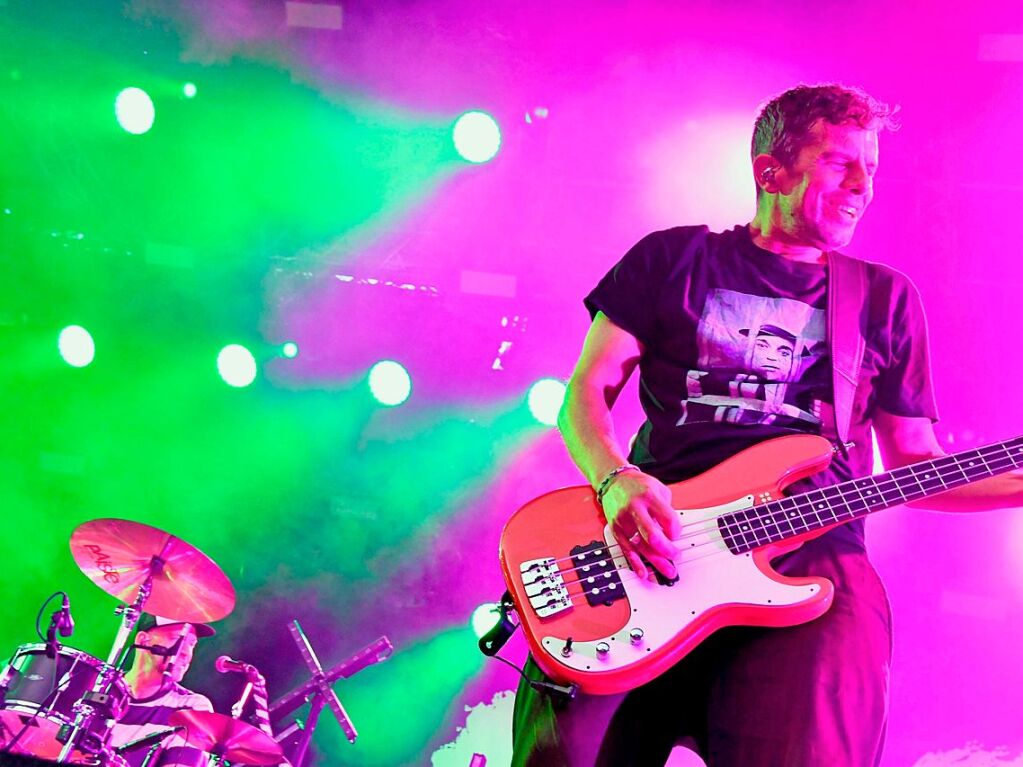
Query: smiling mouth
x,y
848,211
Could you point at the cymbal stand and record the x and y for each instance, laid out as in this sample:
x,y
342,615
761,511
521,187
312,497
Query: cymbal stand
x,y
318,691
98,702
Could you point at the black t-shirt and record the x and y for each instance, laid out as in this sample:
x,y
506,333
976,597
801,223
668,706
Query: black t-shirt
x,y
735,352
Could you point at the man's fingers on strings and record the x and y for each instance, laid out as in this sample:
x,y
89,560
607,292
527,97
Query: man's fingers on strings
x,y
669,520
664,566
632,557
654,538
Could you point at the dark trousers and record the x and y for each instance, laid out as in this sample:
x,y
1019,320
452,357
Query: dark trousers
x,y
814,695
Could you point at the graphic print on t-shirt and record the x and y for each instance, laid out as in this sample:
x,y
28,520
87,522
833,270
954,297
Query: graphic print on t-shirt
x,y
753,354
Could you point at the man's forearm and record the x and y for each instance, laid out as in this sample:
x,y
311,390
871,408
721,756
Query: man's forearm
x,y
588,430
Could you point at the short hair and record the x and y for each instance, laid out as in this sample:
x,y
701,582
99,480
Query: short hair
x,y
785,121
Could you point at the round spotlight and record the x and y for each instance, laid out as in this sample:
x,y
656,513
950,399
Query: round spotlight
x,y
76,346
236,365
390,383
289,349
189,90
477,137
545,398
135,111
484,618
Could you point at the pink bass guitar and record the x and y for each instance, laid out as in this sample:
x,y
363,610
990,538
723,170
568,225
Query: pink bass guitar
x,y
590,621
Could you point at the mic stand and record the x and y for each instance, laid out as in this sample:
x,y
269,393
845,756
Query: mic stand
x,y
318,691
52,644
239,705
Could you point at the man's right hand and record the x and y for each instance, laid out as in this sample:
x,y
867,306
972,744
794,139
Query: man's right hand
x,y
642,519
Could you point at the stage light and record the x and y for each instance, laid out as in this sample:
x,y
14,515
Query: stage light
x,y
485,618
76,346
289,349
545,398
390,383
477,136
189,90
236,365
135,111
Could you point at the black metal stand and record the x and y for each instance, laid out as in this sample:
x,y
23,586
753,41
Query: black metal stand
x,y
91,728
318,691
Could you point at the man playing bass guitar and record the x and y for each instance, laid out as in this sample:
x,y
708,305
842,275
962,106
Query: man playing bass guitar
x,y
730,333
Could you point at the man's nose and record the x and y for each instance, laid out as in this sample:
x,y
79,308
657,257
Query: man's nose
x,y
859,180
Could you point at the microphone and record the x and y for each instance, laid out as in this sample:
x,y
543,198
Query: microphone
x,y
147,740
163,652
154,649
65,623
175,655
60,622
226,664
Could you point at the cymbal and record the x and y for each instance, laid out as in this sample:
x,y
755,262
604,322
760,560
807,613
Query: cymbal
x,y
233,739
118,555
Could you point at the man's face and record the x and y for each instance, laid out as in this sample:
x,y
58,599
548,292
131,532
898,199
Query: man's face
x,y
772,357
829,186
166,636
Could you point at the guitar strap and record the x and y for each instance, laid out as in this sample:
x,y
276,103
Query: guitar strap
x,y
848,302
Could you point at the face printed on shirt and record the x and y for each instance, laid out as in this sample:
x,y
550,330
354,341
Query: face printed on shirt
x,y
772,357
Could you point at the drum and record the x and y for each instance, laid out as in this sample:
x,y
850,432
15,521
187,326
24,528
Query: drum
x,y
37,698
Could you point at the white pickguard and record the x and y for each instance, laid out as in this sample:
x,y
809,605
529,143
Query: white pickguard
x,y
709,576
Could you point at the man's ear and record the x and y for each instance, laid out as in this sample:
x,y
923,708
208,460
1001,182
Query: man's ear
x,y
765,170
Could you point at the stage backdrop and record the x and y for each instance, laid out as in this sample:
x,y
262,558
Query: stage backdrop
x,y
289,174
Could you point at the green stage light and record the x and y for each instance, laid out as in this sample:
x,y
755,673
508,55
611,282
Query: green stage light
x,y
545,399
236,365
477,137
289,349
189,90
390,383
135,111
76,346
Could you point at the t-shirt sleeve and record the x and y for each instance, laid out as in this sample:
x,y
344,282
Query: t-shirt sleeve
x,y
628,293
905,386
198,702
